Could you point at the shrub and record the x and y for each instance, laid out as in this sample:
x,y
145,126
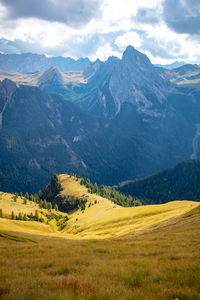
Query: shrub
x,y
20,216
25,217
36,216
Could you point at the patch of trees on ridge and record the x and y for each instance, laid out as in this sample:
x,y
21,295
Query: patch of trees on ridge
x,y
67,203
110,193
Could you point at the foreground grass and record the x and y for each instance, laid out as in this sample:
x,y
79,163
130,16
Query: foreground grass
x,y
163,263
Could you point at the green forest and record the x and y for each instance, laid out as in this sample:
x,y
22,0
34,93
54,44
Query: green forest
x,y
179,183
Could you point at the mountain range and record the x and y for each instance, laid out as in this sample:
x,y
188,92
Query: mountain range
x,y
29,62
112,121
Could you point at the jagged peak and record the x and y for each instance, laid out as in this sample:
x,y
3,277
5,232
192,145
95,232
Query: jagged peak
x,y
51,74
135,56
112,59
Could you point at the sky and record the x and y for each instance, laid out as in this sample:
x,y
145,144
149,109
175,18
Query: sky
x,y
165,30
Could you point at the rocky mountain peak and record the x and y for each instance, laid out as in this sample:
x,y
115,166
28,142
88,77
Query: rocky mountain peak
x,y
134,57
52,75
135,80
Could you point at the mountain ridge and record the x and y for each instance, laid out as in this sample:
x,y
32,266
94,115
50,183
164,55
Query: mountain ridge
x,y
180,182
29,62
77,126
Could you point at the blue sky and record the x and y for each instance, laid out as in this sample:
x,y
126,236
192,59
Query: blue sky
x,y
165,30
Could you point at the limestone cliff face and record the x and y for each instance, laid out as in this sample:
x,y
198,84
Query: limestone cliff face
x,y
135,80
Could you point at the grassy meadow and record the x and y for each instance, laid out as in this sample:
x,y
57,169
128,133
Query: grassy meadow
x,y
148,252
163,263
33,78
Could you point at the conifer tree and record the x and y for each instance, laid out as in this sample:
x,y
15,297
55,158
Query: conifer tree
x,y
25,217
15,198
13,215
49,206
36,215
1,213
45,204
31,198
20,216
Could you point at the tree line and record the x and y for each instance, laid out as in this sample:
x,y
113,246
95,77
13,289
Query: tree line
x,y
110,193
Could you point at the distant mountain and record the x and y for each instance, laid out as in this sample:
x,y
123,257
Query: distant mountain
x,y
180,182
187,75
131,80
41,135
116,120
171,66
29,62
51,80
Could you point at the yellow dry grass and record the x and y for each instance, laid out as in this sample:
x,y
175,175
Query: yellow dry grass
x,y
101,219
160,264
106,219
158,258
7,204
75,77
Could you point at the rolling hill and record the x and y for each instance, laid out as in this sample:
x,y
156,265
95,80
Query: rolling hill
x,y
103,252
101,218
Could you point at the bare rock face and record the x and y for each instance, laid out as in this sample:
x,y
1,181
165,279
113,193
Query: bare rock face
x,y
50,77
135,80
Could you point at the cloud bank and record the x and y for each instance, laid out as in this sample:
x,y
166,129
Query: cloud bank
x,y
165,30
74,13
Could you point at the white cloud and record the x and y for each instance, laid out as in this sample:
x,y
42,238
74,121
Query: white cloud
x,y
128,38
105,35
103,52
